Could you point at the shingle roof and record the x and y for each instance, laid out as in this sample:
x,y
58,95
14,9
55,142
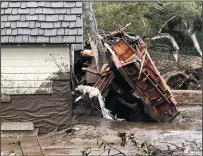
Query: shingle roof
x,y
41,22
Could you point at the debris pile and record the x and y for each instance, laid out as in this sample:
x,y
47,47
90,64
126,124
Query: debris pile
x,y
130,83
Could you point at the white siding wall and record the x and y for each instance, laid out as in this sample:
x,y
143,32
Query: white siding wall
x,y
25,70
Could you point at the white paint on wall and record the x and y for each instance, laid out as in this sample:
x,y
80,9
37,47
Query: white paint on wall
x,y
29,70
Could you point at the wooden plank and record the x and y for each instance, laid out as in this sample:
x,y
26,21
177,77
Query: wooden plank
x,y
26,84
27,77
34,69
33,63
35,53
16,91
189,97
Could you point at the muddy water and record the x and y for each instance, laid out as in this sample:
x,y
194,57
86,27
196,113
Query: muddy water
x,y
185,130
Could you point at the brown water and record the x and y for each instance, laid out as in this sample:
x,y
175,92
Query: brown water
x,y
186,129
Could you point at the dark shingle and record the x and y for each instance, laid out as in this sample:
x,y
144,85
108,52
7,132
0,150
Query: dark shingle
x,y
19,24
7,25
50,32
38,10
3,32
51,17
65,24
48,4
41,32
71,32
47,25
22,17
18,39
4,39
32,4
14,32
23,4
34,32
79,22
4,4
57,39
4,18
38,24
76,10
80,31
54,22
8,11
24,31
48,11
67,11
32,11
14,11
57,24
69,4
8,31
60,31
12,39
41,4
72,25
13,24
42,39
2,24
69,17
41,18
79,39
25,39
32,39
61,17
60,11
2,11
22,24
24,11
32,17
14,18
68,39
20,31
56,4
14,4
32,24
78,4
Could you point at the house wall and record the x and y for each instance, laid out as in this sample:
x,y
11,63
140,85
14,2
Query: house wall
x,y
30,70
38,89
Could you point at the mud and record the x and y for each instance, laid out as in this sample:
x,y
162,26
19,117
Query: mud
x,y
185,130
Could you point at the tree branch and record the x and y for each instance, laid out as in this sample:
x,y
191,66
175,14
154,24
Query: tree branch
x,y
172,40
166,23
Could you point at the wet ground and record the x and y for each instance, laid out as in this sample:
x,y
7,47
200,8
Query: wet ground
x,y
185,131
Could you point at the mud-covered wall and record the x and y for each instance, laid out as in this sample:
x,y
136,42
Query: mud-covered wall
x,y
165,62
47,112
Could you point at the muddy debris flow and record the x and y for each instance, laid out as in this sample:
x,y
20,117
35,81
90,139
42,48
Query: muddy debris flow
x,y
129,82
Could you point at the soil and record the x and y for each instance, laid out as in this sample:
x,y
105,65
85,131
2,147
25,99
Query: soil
x,y
186,130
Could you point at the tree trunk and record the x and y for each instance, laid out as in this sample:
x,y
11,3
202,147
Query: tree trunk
x,y
196,43
172,40
94,38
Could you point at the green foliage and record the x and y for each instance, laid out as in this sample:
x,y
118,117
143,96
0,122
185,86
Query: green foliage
x,y
148,17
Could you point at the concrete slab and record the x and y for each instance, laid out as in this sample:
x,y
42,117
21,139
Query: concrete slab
x,y
17,126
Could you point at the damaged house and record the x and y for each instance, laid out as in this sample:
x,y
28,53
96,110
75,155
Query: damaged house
x,y
38,39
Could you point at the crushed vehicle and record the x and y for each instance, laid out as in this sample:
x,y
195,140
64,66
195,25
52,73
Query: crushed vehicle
x,y
134,78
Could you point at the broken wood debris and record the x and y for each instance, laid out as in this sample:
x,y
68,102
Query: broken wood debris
x,y
132,70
